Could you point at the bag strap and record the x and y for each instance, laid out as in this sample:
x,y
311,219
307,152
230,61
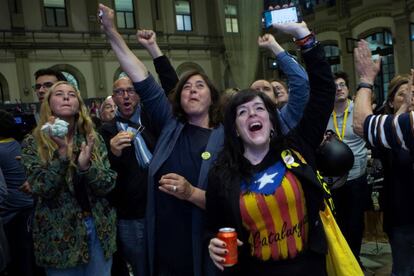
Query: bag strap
x,y
294,160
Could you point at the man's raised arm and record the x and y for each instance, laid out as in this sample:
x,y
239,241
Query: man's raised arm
x,y
131,65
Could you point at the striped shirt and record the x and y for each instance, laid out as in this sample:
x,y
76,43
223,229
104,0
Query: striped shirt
x,y
277,221
389,131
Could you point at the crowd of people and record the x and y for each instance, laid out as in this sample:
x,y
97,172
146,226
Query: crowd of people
x,y
141,183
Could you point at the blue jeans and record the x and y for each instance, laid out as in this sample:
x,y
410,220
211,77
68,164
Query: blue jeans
x,y
97,264
402,248
131,243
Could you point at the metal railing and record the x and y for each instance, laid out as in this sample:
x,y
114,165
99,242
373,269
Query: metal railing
x,y
36,39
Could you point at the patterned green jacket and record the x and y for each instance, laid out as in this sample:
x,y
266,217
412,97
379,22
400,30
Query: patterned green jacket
x,y
59,232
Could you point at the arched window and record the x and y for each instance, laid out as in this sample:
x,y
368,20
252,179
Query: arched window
x,y
2,98
334,59
4,90
122,75
74,76
71,79
188,66
119,74
380,44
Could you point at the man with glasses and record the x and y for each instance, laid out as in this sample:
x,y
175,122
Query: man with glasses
x,y
45,78
130,143
351,198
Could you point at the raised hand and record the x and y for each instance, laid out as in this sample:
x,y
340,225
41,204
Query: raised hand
x,y
84,159
106,16
146,37
297,30
275,7
366,67
268,41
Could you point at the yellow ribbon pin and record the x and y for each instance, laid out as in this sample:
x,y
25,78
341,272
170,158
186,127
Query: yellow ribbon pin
x,y
206,155
288,159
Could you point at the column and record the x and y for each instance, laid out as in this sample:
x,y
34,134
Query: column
x,y
98,68
26,93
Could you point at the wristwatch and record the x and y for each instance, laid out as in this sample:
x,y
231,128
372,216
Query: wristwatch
x,y
365,85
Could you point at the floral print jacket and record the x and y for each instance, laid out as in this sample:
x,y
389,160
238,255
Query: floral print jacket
x,y
59,232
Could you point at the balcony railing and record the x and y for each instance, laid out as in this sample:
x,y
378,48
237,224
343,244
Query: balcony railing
x,y
29,39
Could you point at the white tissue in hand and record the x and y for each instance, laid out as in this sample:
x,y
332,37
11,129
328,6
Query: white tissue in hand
x,y
46,128
59,128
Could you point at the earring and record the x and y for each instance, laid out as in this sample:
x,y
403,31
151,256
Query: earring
x,y
272,132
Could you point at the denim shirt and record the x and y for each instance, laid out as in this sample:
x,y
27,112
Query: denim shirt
x,y
291,113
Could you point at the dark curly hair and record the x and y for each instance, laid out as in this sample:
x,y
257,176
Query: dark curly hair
x,y
214,110
342,75
230,162
49,71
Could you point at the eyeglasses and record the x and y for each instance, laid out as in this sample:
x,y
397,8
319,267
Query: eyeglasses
x,y
37,86
340,85
121,91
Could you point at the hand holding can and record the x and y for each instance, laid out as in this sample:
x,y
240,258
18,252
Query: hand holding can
x,y
223,248
229,236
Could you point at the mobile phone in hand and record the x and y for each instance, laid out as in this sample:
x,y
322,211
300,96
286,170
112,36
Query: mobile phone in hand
x,y
281,16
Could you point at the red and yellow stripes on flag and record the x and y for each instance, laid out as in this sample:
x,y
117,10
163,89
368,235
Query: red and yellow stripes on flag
x,y
272,219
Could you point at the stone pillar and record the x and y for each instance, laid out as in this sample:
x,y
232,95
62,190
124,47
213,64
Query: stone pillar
x,y
26,93
217,69
402,46
93,24
16,14
98,68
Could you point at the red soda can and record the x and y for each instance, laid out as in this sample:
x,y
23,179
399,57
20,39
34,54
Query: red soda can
x,y
229,236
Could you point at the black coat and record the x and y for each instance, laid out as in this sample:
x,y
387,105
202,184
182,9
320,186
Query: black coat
x,y
222,201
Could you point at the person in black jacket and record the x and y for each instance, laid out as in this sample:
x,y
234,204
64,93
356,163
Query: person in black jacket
x,y
130,193
166,73
265,184
130,143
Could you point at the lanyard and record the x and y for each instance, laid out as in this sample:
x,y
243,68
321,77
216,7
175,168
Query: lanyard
x,y
341,135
